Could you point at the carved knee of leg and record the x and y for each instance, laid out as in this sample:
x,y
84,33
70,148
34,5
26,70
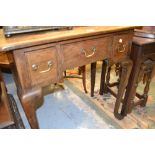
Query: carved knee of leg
x,y
34,96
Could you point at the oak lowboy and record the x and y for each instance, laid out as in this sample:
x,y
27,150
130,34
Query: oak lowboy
x,y
40,59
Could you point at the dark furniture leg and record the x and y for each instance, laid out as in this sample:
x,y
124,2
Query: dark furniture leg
x,y
93,74
103,77
125,73
29,101
139,72
148,76
131,89
83,72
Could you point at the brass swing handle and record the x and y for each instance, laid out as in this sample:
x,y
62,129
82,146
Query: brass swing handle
x,y
93,50
121,46
49,64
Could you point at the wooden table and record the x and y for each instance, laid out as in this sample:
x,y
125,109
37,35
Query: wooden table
x,y
40,59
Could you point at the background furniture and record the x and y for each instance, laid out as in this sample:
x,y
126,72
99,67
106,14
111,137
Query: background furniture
x,y
82,72
38,60
9,114
143,56
4,61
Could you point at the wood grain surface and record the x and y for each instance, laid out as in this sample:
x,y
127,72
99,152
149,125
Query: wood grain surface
x,y
27,40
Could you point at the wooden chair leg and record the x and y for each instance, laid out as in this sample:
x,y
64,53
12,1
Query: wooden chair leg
x,y
82,72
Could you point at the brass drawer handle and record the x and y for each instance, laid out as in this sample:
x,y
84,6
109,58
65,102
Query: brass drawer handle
x,y
93,50
121,46
35,67
49,63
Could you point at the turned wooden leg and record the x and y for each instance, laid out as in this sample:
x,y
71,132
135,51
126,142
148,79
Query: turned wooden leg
x,y
93,74
103,88
83,72
126,70
29,101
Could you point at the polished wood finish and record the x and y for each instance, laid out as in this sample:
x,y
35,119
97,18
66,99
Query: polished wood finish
x,y
86,51
67,49
22,41
121,46
44,66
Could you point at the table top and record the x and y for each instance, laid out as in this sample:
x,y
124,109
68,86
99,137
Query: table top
x,y
31,39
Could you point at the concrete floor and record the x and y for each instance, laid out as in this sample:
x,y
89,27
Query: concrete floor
x,y
63,109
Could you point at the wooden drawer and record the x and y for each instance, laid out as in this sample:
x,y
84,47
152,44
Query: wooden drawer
x,y
122,45
86,51
42,65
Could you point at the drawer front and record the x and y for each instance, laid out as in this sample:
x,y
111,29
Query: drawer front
x,y
85,52
42,65
122,45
